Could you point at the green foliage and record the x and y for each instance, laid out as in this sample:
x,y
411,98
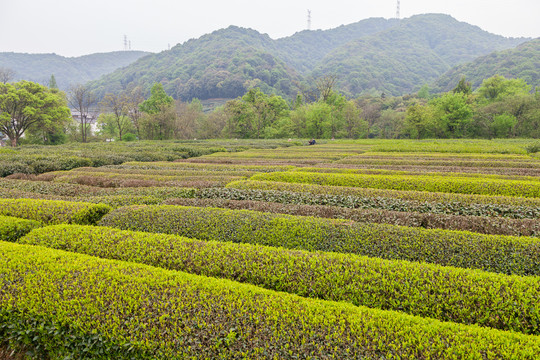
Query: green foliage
x,y
498,87
504,254
12,229
54,212
468,296
26,104
166,315
157,100
463,185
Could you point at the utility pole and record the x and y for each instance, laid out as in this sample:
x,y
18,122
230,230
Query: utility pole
x,y
309,19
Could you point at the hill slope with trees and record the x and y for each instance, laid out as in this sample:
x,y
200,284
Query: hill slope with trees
x,y
66,70
522,62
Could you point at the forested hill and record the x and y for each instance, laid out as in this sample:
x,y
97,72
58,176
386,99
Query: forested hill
x,y
522,62
373,55
66,70
417,51
222,64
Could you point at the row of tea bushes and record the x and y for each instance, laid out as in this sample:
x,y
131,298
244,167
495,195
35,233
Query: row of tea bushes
x,y
54,211
448,294
503,254
479,224
12,228
184,165
365,198
130,311
445,184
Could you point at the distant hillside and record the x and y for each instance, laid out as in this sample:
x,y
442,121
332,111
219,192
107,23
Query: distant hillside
x,y
67,71
521,62
223,64
373,55
403,58
305,49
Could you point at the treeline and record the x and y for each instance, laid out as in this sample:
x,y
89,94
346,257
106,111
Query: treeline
x,y
499,108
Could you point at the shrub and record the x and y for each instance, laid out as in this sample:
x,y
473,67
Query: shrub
x,y
445,293
11,229
54,211
504,254
87,307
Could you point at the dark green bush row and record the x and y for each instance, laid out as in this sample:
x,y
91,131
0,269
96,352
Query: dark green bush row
x,y
84,307
54,211
446,293
503,254
11,228
445,184
364,198
479,224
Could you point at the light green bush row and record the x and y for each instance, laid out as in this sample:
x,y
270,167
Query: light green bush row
x,y
54,211
444,184
71,305
503,254
446,293
12,229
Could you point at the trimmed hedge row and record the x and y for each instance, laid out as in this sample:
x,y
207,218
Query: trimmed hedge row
x,y
479,224
444,184
54,211
12,229
503,254
364,198
448,294
84,307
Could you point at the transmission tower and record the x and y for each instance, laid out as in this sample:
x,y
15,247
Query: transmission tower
x,y
397,10
125,42
309,19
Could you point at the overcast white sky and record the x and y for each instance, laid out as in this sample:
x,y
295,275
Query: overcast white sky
x,y
79,27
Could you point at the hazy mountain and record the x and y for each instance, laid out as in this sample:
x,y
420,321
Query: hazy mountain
x,y
373,55
66,70
416,51
522,62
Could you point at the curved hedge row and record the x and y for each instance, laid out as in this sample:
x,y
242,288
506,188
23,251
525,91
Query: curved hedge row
x,y
364,198
479,224
54,211
445,293
130,311
446,184
504,254
12,229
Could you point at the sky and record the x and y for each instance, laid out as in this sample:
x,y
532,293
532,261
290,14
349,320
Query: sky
x,y
80,27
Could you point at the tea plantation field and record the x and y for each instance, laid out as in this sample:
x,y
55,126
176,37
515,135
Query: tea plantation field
x,y
234,249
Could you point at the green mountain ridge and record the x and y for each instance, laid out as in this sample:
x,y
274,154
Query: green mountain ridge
x,y
521,62
403,58
67,70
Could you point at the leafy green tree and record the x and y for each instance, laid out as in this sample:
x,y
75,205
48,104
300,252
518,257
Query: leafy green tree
x,y
419,121
25,104
463,87
452,114
503,125
157,100
117,106
497,87
317,117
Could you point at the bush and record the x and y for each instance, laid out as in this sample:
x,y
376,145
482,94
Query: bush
x,y
503,254
54,211
11,229
88,307
445,293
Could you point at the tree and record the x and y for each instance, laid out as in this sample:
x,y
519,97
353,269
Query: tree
x,y
497,87
134,98
25,104
157,101
82,99
452,114
325,86
6,75
355,126
188,118
116,105
52,82
463,87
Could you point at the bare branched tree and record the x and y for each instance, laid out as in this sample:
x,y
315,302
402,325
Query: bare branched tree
x,y
6,75
325,86
82,99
